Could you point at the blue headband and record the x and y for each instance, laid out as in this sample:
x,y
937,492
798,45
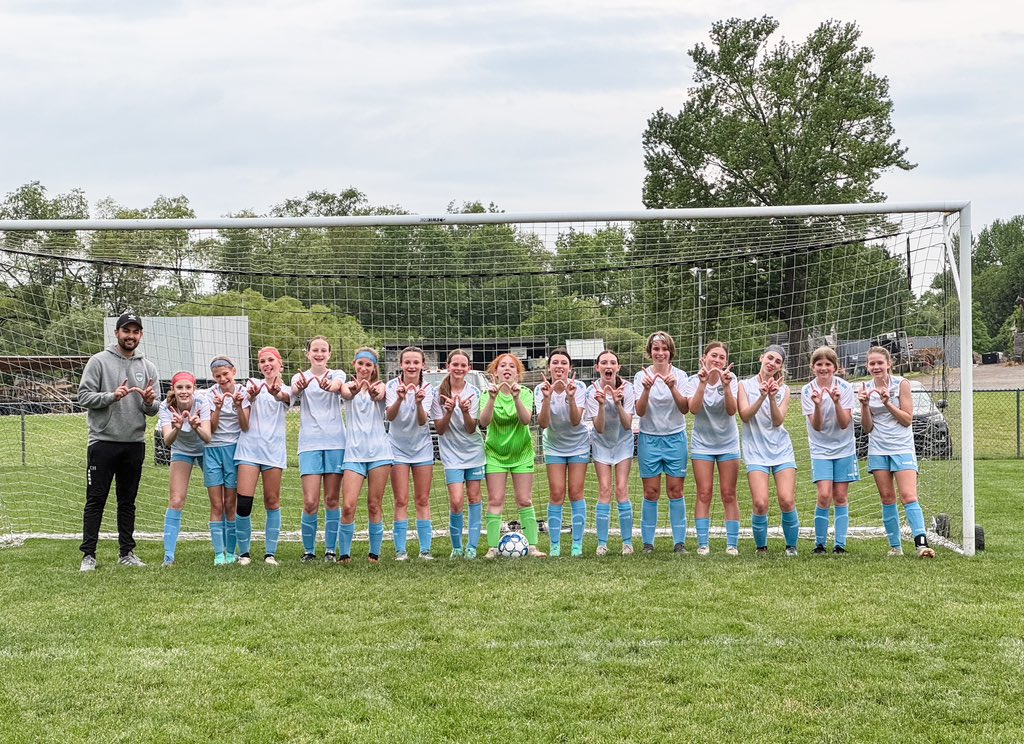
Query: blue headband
x,y
367,355
218,363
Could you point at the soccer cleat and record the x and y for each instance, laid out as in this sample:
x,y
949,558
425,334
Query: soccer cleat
x,y
244,559
308,557
330,557
838,550
168,561
220,559
344,559
491,554
555,550
601,550
270,561
925,551
648,548
703,550
230,558
534,552
761,551
732,550
627,549
819,549
680,548
130,559
470,554
577,550
373,559
895,552
791,551
88,564
401,556
426,557
456,553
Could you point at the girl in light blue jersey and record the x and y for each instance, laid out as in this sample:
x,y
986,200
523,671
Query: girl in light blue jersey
x,y
827,402
716,441
887,414
768,449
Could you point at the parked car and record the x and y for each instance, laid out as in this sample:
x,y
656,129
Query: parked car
x,y
931,432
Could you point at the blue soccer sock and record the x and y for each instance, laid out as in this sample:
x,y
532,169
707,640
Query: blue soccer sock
x,y
425,534
401,537
604,520
273,532
243,533
821,515
376,537
891,522
732,533
915,518
648,521
703,531
791,528
555,524
579,520
677,518
759,524
842,525
476,520
626,522
345,534
309,524
172,526
331,524
455,523
217,537
230,542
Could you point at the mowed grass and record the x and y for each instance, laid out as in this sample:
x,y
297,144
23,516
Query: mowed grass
x,y
647,648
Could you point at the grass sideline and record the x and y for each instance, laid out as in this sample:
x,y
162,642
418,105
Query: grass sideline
x,y
640,649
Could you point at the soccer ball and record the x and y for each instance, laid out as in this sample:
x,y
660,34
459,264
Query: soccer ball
x,y
513,545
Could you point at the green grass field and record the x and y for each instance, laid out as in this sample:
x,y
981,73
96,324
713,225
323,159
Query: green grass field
x,y
653,648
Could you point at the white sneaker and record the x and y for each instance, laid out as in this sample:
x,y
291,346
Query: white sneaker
x,y
271,561
534,552
703,550
601,550
88,564
426,557
791,551
244,559
627,549
895,552
401,557
732,550
925,551
131,560
491,554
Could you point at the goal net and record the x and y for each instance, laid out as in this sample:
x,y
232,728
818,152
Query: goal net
x,y
850,277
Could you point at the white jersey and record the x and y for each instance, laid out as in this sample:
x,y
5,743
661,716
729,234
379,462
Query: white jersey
x,y
763,442
188,441
365,437
831,442
888,436
561,438
266,440
714,431
410,441
459,449
615,443
227,422
663,416
320,423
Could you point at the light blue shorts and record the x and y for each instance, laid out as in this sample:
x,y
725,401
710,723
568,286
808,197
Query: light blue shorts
x,y
321,462
460,475
771,469
190,459
570,460
662,454
219,468
837,469
263,468
364,468
892,463
724,457
423,464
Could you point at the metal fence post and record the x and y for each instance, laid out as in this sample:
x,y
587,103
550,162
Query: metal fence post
x,y
1018,423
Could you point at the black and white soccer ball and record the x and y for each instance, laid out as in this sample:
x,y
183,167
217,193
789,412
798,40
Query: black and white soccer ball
x,y
513,545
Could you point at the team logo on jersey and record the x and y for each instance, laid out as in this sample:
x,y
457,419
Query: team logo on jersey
x,y
139,377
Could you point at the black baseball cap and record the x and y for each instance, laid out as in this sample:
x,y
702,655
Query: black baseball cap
x,y
127,319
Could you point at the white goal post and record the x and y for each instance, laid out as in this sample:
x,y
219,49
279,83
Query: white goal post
x,y
847,275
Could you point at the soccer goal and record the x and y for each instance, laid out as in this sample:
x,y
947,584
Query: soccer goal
x,y
849,276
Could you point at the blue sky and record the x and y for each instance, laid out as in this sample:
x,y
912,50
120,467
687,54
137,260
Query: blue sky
x,y
535,106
